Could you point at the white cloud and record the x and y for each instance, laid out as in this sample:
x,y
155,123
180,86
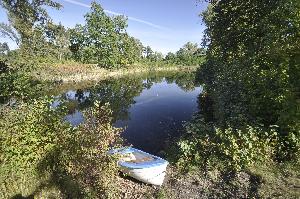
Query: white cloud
x,y
115,13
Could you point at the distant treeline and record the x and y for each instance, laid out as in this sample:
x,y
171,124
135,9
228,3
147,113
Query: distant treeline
x,y
101,40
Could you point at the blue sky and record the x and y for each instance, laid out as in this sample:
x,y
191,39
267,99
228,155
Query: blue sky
x,y
165,25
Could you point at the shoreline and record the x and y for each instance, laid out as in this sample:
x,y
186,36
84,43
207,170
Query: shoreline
x,y
82,73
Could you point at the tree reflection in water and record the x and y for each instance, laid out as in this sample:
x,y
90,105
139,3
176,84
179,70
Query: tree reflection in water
x,y
152,107
120,93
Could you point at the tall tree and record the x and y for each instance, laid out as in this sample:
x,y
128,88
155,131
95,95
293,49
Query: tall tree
x,y
253,68
28,18
59,39
156,57
132,50
188,54
103,40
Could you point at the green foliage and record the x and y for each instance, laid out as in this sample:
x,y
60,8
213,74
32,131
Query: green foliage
x,y
133,49
252,67
246,147
72,161
6,30
189,55
16,85
207,145
51,43
103,40
147,52
161,194
150,56
254,56
16,81
4,49
34,32
170,57
82,156
28,131
25,15
156,57
48,44
250,111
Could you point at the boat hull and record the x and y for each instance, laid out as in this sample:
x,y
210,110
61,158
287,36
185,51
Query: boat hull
x,y
152,175
142,166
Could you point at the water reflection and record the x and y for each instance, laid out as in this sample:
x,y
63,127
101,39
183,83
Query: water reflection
x,y
151,107
158,115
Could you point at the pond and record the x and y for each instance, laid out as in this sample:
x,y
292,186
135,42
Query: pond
x,y
151,108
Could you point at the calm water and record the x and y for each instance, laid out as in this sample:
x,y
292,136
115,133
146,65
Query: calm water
x,y
152,108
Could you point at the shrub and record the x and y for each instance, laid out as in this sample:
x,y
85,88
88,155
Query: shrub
x,y
17,82
83,156
28,132
71,161
236,149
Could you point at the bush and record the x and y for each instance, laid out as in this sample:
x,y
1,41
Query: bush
x,y
29,131
71,161
236,149
17,82
83,155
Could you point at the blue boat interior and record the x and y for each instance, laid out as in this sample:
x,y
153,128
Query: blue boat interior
x,y
148,162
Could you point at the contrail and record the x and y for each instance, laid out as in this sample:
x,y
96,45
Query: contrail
x,y
78,3
115,13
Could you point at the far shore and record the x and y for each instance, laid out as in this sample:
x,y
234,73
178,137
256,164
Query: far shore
x,y
68,73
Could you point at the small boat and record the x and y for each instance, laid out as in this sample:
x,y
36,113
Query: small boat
x,y
140,165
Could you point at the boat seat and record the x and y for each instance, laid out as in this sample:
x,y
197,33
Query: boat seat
x,y
135,157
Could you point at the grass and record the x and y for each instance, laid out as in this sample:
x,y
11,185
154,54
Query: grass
x,y
86,72
270,180
260,181
281,180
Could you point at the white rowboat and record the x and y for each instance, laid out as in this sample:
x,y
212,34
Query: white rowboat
x,y
141,165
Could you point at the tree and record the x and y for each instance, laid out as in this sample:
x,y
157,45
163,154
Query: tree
x,y
103,40
253,50
170,57
6,30
59,39
133,49
28,23
78,39
156,57
189,54
24,15
4,49
147,52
